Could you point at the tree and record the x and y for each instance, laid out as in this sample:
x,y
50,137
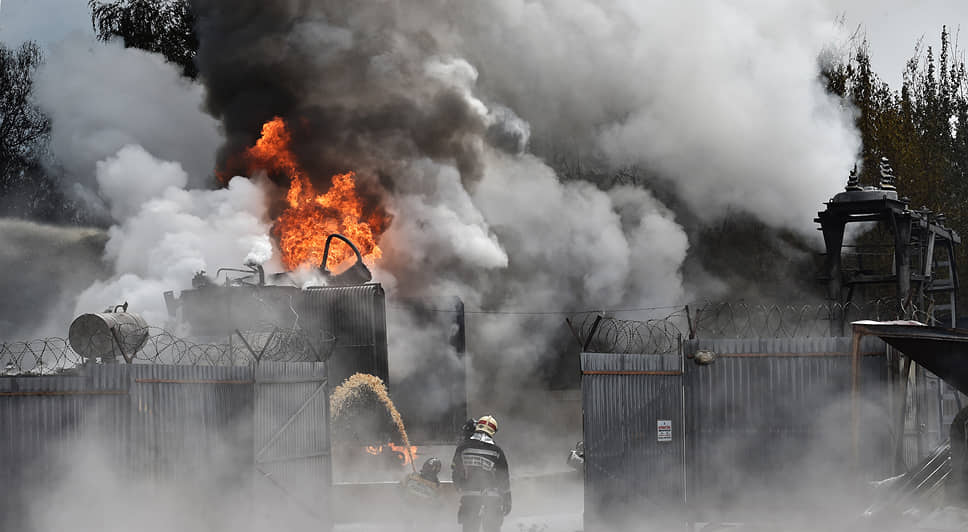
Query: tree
x,y
166,27
26,188
23,127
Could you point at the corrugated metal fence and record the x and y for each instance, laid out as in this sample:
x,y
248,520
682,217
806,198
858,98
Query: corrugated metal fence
x,y
663,434
627,400
171,425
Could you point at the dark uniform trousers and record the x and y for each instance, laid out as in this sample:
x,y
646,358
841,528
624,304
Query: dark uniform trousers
x,y
480,472
477,511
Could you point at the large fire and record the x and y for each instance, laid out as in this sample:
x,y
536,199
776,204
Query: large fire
x,y
310,217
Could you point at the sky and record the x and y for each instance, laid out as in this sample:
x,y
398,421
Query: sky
x,y
892,26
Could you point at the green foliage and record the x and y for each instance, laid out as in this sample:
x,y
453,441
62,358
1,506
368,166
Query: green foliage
x,y
166,27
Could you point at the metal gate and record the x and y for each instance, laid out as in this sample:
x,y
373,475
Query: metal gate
x,y
293,471
634,439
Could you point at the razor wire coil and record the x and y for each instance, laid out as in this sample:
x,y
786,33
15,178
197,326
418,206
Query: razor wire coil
x,y
603,333
595,331
52,356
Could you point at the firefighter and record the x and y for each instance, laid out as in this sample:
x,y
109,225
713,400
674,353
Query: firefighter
x,y
576,458
480,473
421,492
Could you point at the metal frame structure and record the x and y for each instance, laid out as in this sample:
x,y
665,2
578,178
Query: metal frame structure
x,y
924,271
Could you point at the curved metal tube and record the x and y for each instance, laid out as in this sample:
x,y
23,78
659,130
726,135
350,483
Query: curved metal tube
x,y
329,240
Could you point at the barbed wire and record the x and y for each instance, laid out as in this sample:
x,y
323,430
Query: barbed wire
x,y
45,356
154,345
595,331
603,333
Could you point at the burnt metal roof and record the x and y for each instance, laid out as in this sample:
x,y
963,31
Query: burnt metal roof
x,y
942,351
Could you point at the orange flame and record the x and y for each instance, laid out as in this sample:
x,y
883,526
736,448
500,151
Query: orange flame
x,y
406,455
310,217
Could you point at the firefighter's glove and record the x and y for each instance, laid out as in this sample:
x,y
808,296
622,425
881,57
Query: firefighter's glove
x,y
507,503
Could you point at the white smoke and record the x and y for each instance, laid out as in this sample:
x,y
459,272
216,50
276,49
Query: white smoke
x,y
164,234
101,97
436,223
127,193
721,99
130,132
566,240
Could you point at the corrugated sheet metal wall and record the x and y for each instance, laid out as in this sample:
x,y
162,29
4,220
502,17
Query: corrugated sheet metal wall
x,y
356,316
624,399
766,405
748,418
183,416
41,421
168,423
292,444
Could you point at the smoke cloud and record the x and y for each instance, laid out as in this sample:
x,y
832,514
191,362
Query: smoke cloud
x,y
453,116
132,141
721,100
101,97
435,106
164,234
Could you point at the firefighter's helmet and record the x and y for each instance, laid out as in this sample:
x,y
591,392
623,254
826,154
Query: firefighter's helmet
x,y
430,468
487,424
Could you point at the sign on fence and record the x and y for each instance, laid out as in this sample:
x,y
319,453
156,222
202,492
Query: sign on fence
x,y
664,429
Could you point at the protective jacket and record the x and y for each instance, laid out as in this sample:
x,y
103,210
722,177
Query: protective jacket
x,y
480,473
480,467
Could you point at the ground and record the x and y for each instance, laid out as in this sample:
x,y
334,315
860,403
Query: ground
x,y
534,523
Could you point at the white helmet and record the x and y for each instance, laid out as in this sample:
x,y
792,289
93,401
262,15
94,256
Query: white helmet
x,y
486,424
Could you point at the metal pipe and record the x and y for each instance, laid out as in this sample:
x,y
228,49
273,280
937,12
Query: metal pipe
x,y
189,381
855,358
659,373
329,240
899,442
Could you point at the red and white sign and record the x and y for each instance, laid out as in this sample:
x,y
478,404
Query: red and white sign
x,y
664,429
